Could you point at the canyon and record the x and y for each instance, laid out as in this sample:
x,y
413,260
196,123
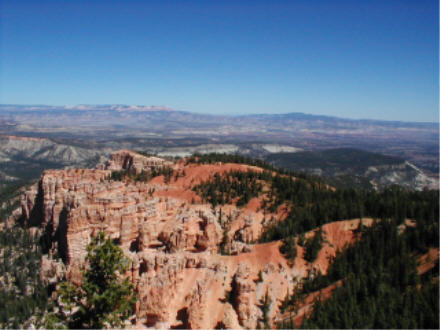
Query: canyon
x,y
193,265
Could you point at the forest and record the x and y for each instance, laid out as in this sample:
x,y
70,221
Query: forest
x,y
233,185
380,284
22,294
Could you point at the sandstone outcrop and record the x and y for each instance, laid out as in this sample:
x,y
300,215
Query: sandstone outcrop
x,y
173,240
129,160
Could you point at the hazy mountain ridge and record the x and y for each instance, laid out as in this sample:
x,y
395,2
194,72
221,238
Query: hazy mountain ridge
x,y
84,107
159,130
49,116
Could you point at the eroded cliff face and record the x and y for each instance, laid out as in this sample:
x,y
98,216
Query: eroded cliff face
x,y
129,160
173,240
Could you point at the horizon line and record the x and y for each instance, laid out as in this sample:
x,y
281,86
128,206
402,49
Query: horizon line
x,y
151,108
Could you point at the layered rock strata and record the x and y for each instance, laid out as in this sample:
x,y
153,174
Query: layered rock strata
x,y
173,240
129,160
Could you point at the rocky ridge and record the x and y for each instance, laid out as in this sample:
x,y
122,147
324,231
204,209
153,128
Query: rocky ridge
x,y
173,239
23,159
42,149
405,174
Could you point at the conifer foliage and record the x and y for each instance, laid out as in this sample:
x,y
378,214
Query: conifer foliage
x,y
380,284
104,298
143,176
22,293
233,185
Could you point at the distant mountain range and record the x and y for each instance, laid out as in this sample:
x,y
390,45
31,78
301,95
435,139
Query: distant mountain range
x,y
160,129
85,107
125,107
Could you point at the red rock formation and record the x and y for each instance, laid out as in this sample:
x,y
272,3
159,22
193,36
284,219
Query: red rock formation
x,y
180,277
129,160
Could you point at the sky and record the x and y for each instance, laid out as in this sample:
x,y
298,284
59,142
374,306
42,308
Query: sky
x,y
355,59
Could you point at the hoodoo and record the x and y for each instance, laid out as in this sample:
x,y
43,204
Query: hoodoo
x,y
193,264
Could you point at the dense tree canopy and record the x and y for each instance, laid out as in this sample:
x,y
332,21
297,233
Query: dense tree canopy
x,y
380,284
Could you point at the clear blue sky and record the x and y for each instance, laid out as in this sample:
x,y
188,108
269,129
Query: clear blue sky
x,y
355,59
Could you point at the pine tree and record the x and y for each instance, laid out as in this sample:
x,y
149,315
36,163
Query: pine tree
x,y
104,299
